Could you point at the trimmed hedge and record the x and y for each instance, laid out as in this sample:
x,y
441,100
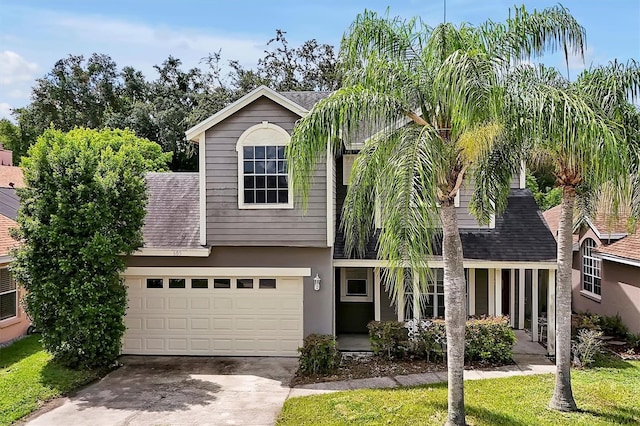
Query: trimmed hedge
x,y
487,340
319,354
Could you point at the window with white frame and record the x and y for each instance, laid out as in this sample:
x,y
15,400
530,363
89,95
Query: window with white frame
x,y
432,302
8,295
590,268
263,179
356,285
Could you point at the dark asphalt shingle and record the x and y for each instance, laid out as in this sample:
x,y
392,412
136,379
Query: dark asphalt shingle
x,y
173,211
9,203
306,99
520,234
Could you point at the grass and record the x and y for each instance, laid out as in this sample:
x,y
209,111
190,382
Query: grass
x,y
607,394
29,378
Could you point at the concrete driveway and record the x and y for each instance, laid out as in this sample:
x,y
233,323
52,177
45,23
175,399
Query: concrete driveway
x,y
151,390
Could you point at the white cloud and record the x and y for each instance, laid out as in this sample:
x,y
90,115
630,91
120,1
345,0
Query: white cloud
x,y
5,111
14,68
576,63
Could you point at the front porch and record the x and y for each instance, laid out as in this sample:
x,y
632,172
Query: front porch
x,y
525,293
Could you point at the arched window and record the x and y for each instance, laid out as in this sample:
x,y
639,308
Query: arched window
x,y
590,268
263,180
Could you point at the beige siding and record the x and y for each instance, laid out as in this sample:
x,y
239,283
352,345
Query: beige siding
x,y
229,226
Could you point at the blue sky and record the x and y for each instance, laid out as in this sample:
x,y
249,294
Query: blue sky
x,y
34,34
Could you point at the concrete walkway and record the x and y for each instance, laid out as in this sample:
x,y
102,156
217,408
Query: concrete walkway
x,y
529,358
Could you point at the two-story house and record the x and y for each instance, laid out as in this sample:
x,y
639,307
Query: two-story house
x,y
232,265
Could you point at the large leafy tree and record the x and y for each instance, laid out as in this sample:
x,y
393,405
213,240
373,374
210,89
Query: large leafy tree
x,y
435,98
81,212
585,131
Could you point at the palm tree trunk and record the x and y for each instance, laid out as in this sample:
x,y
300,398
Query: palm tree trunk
x,y
562,398
455,312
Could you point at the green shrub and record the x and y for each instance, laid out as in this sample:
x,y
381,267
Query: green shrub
x,y
319,354
587,321
489,340
613,326
587,346
83,208
633,340
427,339
389,338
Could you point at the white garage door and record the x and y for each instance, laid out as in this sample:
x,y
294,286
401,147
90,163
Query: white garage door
x,y
213,315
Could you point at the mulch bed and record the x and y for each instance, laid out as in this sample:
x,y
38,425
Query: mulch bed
x,y
625,352
362,366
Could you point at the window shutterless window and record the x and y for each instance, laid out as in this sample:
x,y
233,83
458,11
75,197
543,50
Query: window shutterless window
x,y
221,283
199,283
244,283
267,283
154,282
591,282
8,295
177,282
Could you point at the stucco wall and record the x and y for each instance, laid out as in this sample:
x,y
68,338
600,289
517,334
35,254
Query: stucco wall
x,y
11,328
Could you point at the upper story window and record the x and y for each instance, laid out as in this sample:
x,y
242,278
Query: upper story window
x,y
263,179
590,268
8,295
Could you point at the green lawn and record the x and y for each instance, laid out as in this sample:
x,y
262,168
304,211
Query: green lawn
x,y
606,395
28,378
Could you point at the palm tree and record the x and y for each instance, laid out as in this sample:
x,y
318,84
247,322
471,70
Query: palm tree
x,y
434,99
578,129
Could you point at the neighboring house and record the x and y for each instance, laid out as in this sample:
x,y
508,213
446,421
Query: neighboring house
x,y
232,265
13,320
606,267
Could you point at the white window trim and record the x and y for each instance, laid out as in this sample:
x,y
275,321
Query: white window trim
x,y
249,139
343,288
15,290
595,261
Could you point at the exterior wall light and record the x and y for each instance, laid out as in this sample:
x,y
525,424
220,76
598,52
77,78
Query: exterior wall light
x,y
316,282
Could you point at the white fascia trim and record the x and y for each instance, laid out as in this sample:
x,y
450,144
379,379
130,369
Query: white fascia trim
x,y
6,259
477,264
202,160
219,271
330,185
174,252
609,236
193,134
618,259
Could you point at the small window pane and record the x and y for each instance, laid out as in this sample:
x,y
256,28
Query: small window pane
x,y
272,182
247,151
281,152
261,182
356,287
221,283
177,283
199,283
282,167
244,283
271,152
272,196
261,197
260,151
283,196
154,282
8,305
267,283
282,182
249,196
248,167
248,182
271,166
259,167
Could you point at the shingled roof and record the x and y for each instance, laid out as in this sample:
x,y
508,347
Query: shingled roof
x,y
520,235
173,211
306,99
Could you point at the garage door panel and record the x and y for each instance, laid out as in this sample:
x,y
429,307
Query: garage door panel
x,y
244,322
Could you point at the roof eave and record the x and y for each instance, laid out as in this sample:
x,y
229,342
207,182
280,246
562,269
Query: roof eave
x,y
193,134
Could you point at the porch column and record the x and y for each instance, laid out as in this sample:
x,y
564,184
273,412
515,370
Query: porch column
x,y
376,294
400,302
499,310
416,297
492,292
551,314
534,304
512,297
521,299
472,292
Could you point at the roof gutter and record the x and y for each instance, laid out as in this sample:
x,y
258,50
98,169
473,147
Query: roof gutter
x,y
174,252
618,259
